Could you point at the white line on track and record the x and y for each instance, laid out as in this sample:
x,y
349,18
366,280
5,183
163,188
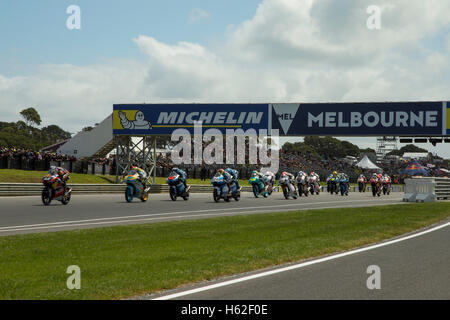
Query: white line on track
x,y
159,218
153,216
297,266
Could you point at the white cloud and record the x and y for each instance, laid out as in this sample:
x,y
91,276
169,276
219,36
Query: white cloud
x,y
198,14
291,50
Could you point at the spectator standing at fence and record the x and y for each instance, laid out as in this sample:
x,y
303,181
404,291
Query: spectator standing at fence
x,y
203,173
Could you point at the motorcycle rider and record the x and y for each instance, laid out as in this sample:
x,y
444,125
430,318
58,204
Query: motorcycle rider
x,y
228,178
362,179
63,174
313,179
182,174
313,174
291,180
344,177
386,179
235,175
142,174
333,179
270,181
301,174
374,181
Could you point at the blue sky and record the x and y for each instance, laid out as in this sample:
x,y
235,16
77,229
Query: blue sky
x,y
34,32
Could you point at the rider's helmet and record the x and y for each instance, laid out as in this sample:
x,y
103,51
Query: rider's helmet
x,y
379,176
221,171
254,172
52,169
313,173
284,173
335,173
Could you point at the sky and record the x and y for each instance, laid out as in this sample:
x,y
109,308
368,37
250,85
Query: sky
x,y
218,51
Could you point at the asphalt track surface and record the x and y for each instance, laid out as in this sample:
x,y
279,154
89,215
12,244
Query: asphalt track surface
x,y
29,215
413,267
417,267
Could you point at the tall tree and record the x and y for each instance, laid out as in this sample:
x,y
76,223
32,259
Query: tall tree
x,y
31,116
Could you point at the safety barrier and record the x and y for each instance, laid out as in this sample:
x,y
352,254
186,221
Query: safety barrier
x,y
442,188
426,189
29,189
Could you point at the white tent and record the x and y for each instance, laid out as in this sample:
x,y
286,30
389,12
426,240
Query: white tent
x,y
365,163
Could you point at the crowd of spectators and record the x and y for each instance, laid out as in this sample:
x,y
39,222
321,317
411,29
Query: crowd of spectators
x,y
289,161
29,154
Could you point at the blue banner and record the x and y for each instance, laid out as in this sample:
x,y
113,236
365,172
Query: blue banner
x,y
359,119
163,119
291,119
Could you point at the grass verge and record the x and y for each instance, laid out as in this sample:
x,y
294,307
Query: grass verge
x,y
124,261
28,176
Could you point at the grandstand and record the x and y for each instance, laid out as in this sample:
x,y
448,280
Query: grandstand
x,y
96,143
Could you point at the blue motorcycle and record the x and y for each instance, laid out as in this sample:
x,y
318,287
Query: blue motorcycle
x,y
343,186
221,189
135,188
258,186
177,188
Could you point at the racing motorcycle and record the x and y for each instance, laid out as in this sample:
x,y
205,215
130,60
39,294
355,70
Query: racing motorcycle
x,y
343,186
54,190
386,186
135,188
268,184
284,183
303,187
376,188
362,184
333,186
314,185
258,186
221,189
177,188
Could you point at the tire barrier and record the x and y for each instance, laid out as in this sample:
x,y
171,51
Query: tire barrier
x,y
426,189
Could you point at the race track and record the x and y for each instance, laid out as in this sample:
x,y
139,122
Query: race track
x,y
412,267
29,215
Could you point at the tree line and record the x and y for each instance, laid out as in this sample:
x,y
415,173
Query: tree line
x,y
25,134
328,147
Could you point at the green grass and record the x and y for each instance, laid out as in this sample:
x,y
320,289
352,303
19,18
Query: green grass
x,y
26,176
124,261
207,182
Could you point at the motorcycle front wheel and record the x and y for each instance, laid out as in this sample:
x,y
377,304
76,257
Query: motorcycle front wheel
x,y
285,193
144,197
255,191
66,198
46,196
129,193
216,195
173,195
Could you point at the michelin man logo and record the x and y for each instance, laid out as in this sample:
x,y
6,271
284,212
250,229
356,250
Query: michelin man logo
x,y
138,124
